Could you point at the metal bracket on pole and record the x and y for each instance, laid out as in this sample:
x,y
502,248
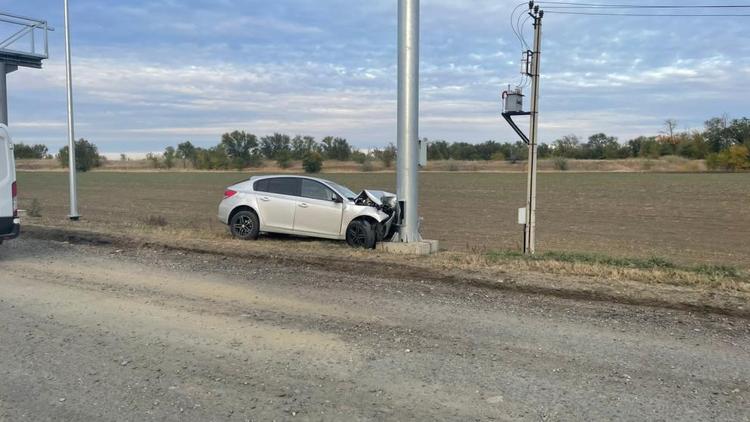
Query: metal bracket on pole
x,y
509,118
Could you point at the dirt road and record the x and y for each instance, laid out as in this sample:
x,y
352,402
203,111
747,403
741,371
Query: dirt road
x,y
95,333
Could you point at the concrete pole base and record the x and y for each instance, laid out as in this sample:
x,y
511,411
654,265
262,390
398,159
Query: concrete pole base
x,y
424,247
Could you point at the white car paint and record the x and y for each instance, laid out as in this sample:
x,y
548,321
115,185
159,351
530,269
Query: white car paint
x,y
9,221
298,215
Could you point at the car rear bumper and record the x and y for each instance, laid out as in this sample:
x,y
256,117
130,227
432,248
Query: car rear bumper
x,y
9,228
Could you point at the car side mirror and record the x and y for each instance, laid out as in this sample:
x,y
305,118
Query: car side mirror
x,y
337,199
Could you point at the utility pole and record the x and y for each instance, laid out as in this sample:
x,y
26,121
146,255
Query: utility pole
x,y
513,106
530,234
407,175
71,132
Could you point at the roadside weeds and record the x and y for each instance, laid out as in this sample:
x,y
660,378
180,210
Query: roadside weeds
x,y
651,282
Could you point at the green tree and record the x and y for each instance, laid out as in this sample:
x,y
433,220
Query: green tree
x,y
544,151
359,156
601,146
738,157
336,148
284,159
214,158
302,145
169,156
87,155
313,162
463,151
717,133
240,149
32,152
186,153
692,146
568,146
438,150
273,145
389,155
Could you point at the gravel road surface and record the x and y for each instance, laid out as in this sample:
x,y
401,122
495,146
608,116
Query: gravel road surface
x,y
95,333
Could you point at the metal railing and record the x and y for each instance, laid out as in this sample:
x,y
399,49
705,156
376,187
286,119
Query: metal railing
x,y
21,35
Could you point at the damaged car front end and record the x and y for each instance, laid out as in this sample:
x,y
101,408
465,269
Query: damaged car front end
x,y
386,204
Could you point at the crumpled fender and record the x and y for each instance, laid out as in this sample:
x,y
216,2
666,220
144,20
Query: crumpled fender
x,y
375,196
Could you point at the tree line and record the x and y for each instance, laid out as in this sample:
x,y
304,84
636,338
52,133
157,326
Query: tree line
x,y
723,143
240,150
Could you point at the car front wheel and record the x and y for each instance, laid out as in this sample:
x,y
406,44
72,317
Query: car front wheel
x,y
245,225
360,234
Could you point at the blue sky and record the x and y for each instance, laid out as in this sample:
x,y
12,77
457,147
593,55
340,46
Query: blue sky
x,y
149,73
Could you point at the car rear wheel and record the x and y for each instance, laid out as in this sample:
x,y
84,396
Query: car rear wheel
x,y
360,234
245,225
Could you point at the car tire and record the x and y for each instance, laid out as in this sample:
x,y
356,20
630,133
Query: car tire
x,y
361,234
245,225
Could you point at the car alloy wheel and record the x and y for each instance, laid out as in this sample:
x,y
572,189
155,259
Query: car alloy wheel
x,y
243,226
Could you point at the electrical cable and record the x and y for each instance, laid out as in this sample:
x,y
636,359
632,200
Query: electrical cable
x,y
641,6
672,15
512,16
519,36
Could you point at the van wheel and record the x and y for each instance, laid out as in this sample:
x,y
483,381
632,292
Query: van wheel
x,y
244,225
360,234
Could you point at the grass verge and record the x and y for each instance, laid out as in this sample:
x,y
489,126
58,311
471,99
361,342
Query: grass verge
x,y
713,272
589,277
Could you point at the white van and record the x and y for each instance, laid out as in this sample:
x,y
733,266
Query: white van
x,y
10,224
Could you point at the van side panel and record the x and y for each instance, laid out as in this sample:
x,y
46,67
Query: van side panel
x,y
8,222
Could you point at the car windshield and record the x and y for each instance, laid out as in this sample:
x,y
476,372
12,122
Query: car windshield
x,y
343,190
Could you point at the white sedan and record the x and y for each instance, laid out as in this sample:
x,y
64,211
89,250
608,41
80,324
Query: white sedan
x,y
308,206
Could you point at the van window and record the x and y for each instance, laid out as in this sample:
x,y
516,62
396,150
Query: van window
x,y
284,186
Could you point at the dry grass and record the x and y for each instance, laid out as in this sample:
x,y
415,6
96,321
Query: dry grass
x,y
596,268
722,289
690,219
666,164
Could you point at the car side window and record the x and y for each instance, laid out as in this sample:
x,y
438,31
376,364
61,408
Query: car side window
x,y
284,186
261,186
316,190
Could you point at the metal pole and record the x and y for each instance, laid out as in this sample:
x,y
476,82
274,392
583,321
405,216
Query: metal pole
x,y
71,136
3,94
530,238
407,175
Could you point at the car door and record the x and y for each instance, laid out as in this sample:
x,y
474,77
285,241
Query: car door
x,y
277,202
319,210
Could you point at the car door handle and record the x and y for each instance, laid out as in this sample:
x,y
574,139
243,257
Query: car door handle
x,y
303,205
265,198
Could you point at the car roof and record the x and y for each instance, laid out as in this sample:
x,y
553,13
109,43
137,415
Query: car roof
x,y
272,176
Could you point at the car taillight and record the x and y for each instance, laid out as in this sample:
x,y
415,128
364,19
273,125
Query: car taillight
x,y
229,193
14,189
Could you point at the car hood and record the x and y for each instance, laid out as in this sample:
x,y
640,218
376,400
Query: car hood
x,y
375,196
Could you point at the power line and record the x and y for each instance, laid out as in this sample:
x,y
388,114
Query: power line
x,y
519,28
640,6
514,25
512,21
647,14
